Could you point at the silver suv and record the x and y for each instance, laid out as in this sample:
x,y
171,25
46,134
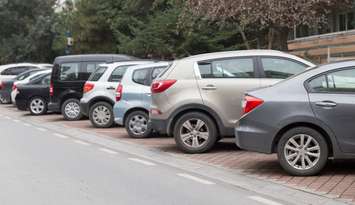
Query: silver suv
x,y
197,100
100,92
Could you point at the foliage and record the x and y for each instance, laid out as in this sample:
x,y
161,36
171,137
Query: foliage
x,y
26,32
277,17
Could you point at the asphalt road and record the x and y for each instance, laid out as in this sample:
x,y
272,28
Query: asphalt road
x,y
41,167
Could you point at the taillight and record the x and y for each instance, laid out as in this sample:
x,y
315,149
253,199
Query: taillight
x,y
250,103
119,91
51,89
14,87
161,85
88,87
1,86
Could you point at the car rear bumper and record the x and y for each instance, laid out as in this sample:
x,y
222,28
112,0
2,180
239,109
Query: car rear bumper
x,y
54,107
160,126
254,138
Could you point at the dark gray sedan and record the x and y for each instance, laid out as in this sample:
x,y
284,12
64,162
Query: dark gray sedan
x,y
305,119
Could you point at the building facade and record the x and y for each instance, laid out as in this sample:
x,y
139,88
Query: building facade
x,y
331,42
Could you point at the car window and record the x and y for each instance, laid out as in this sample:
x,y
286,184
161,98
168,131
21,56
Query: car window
x,y
25,75
117,74
228,68
15,70
281,68
156,71
338,81
318,84
69,72
46,80
97,74
141,76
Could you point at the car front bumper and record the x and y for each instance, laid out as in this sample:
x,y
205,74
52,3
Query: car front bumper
x,y
85,108
21,105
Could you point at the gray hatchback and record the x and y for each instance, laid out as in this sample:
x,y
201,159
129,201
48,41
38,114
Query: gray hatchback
x,y
305,119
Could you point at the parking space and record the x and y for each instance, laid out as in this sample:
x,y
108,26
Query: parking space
x,y
336,181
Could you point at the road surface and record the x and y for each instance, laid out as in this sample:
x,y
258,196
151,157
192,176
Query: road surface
x,y
41,167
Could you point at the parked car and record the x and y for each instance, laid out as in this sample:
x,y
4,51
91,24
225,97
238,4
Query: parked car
x,y
34,75
34,95
68,78
305,120
197,100
134,99
100,92
12,70
7,85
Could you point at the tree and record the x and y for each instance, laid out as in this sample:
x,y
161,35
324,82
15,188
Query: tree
x,y
26,33
276,17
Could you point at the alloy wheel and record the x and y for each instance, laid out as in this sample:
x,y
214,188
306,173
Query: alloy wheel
x,y
72,110
101,115
138,124
194,133
302,152
37,106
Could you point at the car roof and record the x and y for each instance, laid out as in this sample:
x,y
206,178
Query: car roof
x,y
122,63
158,64
241,53
94,57
16,65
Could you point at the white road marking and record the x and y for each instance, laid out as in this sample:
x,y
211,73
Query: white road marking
x,y
142,161
17,121
109,151
61,136
197,179
263,200
7,117
27,125
41,129
81,142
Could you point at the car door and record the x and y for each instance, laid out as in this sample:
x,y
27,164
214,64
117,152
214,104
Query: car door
x,y
43,86
114,80
332,96
223,82
275,69
141,89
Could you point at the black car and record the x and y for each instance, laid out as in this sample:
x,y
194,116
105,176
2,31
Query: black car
x,y
34,96
6,86
68,78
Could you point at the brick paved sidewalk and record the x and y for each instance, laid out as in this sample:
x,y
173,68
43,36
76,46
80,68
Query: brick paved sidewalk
x,y
336,181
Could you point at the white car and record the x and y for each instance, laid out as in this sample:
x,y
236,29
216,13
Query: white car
x,y
14,91
100,92
10,71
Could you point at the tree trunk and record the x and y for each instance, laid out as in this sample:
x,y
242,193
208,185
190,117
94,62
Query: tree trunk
x,y
244,37
283,38
271,35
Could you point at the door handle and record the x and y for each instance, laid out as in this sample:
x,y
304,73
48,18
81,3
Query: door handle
x,y
326,104
110,88
209,87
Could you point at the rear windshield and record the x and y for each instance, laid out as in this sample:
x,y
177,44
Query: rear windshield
x,y
97,74
69,72
25,75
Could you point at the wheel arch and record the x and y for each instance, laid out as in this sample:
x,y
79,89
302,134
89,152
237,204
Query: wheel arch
x,y
314,126
101,99
133,109
195,108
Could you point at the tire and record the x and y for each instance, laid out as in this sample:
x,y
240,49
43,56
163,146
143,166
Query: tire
x,y
71,110
101,115
38,106
137,125
202,145
317,160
